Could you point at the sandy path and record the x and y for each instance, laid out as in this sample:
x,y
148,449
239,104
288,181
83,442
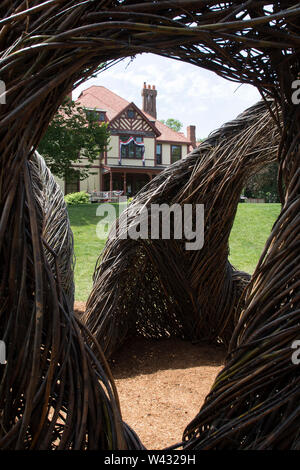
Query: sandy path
x,y
162,385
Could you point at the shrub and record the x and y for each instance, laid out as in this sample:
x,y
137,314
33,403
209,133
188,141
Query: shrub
x,y
264,184
77,198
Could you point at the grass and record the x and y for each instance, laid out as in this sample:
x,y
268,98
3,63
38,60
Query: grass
x,y
87,246
250,231
252,226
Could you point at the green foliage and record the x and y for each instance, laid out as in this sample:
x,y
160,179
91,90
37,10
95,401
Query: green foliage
x,y
263,184
72,135
77,198
173,124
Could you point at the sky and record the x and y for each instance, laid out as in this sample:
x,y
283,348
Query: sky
x,y
185,92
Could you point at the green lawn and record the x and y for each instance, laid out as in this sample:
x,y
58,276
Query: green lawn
x,y
251,228
87,246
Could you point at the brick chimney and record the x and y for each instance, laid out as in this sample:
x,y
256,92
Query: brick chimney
x,y
191,135
149,95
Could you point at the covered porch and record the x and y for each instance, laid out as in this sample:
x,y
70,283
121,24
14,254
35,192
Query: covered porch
x,y
129,180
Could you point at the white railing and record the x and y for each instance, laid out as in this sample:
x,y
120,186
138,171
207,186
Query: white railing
x,y
103,196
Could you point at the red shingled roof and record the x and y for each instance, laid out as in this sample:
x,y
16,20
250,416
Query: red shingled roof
x,y
101,98
104,99
169,135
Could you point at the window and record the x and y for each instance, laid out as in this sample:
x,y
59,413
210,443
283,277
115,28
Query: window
x,y
158,154
95,115
175,153
131,113
72,184
130,147
89,114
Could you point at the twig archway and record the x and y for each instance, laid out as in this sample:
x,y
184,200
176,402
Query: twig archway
x,y
157,288
53,390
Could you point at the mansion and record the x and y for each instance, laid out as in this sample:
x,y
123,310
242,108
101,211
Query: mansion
x,y
140,145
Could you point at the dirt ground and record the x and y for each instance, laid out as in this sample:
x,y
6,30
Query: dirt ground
x,y
162,385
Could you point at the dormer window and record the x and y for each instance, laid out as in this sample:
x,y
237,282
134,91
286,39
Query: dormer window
x,y
131,113
96,115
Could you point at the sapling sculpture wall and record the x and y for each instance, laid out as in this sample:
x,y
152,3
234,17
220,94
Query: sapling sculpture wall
x,y
159,288
56,389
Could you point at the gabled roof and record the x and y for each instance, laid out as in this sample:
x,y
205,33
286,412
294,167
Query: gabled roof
x,y
140,112
103,99
99,97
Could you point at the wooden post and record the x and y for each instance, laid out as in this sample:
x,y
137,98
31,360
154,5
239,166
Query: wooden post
x,y
110,181
101,178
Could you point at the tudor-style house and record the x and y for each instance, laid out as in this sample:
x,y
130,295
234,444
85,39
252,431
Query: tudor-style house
x,y
140,145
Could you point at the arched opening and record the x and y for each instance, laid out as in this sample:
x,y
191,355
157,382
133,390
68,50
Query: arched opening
x,y
58,44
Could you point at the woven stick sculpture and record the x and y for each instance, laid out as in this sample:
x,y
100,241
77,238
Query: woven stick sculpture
x,y
56,231
254,402
53,389
159,288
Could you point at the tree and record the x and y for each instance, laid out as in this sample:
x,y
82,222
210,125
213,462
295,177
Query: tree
x,y
173,124
73,134
264,184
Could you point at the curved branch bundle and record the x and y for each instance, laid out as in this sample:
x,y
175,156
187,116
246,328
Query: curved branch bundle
x,y
159,288
55,390
254,402
56,231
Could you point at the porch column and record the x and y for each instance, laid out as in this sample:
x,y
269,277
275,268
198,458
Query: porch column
x,y
110,181
124,184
